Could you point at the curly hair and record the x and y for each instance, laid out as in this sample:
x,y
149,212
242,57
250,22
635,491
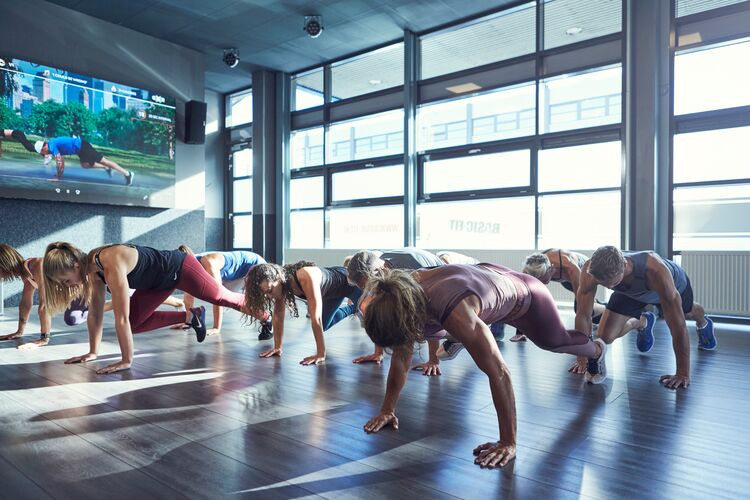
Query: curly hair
x,y
396,314
255,299
11,263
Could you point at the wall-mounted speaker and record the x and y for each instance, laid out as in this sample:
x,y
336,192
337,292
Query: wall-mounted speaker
x,y
195,122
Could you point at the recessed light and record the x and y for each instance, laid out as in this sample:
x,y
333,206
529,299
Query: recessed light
x,y
464,87
375,82
575,30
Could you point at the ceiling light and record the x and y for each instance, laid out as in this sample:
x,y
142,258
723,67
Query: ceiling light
x,y
575,30
375,82
463,88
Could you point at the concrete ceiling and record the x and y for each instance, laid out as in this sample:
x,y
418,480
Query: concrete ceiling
x,y
269,33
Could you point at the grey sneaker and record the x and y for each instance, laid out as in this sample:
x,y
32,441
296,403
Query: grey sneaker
x,y
596,370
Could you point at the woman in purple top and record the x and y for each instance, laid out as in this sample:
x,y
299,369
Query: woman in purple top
x,y
461,300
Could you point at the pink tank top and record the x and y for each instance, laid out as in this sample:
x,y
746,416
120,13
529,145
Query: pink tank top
x,y
502,296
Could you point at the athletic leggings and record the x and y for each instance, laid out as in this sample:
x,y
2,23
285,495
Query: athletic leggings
x,y
543,326
194,280
333,311
21,137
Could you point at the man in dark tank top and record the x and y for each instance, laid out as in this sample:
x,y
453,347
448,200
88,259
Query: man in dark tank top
x,y
639,279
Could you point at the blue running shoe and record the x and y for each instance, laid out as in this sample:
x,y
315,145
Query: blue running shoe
x,y
706,338
498,330
645,340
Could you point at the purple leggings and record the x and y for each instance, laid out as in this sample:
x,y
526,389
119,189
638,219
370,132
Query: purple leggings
x,y
194,280
543,326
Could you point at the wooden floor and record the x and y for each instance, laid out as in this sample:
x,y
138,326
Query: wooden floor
x,y
213,420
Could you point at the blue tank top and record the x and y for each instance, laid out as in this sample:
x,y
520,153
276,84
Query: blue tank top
x,y
637,289
236,264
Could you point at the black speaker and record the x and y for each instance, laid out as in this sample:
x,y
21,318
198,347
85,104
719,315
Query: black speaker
x,y
195,122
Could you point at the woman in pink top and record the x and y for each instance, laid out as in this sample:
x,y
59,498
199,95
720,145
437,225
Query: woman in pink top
x,y
461,300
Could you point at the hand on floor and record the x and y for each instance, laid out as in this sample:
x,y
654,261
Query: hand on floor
x,y
12,336
674,381
114,367
579,366
493,455
429,368
377,423
370,358
90,356
271,353
35,343
313,360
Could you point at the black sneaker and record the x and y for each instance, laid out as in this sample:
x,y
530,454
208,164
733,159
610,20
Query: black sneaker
x,y
109,172
266,331
129,178
198,322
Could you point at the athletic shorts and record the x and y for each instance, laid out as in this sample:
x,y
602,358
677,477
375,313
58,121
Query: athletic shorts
x,y
622,304
88,154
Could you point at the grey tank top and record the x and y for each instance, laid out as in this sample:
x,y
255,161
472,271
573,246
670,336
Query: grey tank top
x,y
637,289
501,294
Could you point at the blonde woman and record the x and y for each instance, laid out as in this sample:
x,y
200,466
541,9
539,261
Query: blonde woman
x,y
154,274
29,271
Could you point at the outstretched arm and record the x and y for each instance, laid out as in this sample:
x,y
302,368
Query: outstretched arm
x,y
465,326
310,278
660,280
93,322
279,307
397,373
24,310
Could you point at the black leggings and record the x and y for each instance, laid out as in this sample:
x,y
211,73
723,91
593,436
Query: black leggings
x,y
21,137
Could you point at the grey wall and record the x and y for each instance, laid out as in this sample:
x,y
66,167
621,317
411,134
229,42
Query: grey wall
x,y
215,171
42,32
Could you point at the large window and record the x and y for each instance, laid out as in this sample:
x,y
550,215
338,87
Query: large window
x,y
307,148
307,90
504,223
506,140
242,197
368,183
506,35
239,109
581,100
481,171
492,116
369,137
711,147
376,70
717,77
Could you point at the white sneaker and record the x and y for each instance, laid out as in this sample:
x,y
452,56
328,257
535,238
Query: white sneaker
x,y
596,370
449,350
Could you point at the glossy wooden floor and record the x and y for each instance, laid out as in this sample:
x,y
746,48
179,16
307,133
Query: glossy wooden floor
x,y
213,420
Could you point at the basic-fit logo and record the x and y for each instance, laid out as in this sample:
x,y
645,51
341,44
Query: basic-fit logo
x,y
158,98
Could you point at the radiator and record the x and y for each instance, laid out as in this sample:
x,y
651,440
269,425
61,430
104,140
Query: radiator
x,y
721,280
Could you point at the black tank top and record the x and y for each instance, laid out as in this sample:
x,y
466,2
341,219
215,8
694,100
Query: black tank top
x,y
334,283
154,270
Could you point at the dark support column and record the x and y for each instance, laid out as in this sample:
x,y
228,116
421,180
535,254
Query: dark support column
x,y
411,65
647,117
264,164
283,177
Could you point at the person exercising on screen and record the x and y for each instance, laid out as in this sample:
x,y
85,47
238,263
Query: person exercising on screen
x,y
59,147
